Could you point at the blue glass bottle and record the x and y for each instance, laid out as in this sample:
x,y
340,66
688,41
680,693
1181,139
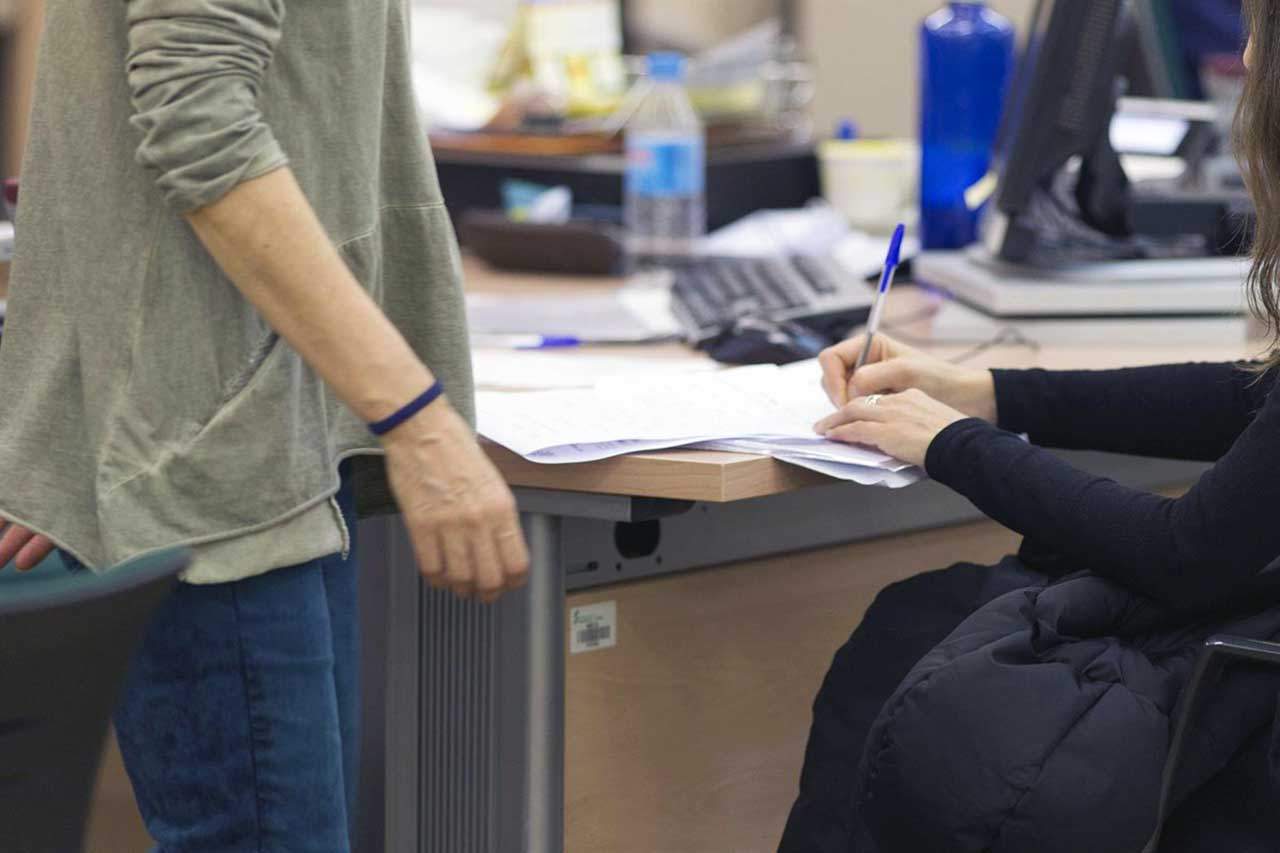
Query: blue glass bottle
x,y
966,55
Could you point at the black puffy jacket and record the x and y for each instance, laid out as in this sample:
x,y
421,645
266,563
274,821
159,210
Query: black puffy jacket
x,y
1042,725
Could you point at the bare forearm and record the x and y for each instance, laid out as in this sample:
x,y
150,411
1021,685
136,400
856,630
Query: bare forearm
x,y
460,514
269,242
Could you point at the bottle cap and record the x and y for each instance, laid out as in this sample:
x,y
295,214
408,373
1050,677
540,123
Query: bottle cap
x,y
667,67
847,130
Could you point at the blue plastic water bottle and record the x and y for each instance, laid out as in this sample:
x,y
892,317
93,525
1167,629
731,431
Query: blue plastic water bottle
x,y
966,55
665,194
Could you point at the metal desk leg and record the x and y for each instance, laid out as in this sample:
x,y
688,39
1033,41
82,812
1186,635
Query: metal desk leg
x,y
533,657
470,756
391,687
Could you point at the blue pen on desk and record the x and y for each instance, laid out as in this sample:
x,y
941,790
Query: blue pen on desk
x,y
552,342
527,342
886,282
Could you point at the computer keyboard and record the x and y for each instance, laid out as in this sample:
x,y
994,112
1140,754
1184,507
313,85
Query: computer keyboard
x,y
710,293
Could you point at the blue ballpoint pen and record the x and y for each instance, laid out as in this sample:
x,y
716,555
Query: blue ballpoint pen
x,y
886,282
526,342
551,342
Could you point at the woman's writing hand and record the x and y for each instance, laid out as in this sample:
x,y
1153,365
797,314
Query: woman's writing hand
x,y
902,425
27,549
892,368
460,514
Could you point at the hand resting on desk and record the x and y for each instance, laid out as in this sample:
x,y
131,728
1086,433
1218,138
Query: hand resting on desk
x,y
901,398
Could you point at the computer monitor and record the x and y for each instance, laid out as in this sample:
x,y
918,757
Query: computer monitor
x,y
1059,108
1158,66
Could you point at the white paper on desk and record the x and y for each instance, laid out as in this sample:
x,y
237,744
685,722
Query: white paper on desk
x,y
573,453
765,410
863,254
814,230
511,370
631,314
816,450
771,233
858,473
679,410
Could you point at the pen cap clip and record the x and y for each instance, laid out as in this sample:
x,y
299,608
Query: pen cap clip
x,y
895,246
891,260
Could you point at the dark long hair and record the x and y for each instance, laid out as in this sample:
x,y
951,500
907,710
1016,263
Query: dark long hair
x,y
1257,133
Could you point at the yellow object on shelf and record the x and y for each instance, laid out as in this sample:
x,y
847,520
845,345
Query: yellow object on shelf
x,y
572,51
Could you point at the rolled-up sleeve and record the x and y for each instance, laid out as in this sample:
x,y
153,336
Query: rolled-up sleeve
x,y
195,71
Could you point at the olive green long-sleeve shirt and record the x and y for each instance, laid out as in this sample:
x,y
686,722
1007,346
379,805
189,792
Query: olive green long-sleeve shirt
x,y
146,404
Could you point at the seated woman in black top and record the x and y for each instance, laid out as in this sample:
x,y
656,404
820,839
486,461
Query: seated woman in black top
x,y
1039,722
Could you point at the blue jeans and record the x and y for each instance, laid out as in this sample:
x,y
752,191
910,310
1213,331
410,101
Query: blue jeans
x,y
238,724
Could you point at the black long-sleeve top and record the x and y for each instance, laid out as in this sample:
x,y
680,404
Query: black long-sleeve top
x,y
1187,552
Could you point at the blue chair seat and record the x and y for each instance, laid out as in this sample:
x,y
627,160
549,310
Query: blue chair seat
x,y
66,639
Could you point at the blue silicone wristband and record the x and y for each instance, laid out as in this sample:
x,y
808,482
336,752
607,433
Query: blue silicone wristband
x,y
410,409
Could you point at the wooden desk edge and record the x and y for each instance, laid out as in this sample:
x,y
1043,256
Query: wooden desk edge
x,y
727,477
689,475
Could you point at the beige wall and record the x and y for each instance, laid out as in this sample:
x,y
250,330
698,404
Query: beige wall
x,y
697,22
865,51
866,57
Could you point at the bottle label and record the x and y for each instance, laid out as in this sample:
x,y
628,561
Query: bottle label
x,y
665,166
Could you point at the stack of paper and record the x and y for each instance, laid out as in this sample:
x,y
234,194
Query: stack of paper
x,y
765,410
573,367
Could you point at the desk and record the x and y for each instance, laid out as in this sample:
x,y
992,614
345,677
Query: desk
x,y
473,699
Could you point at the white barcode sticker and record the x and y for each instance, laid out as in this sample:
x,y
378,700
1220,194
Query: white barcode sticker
x,y
593,627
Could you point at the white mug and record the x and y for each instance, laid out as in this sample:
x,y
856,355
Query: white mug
x,y
872,183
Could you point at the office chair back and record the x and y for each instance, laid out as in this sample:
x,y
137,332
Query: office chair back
x,y
66,639
1217,652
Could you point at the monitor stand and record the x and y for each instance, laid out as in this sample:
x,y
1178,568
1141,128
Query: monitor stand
x,y
1184,287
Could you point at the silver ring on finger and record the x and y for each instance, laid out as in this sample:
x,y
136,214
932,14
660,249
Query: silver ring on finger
x,y
874,400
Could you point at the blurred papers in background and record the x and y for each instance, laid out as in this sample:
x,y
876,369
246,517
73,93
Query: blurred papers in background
x,y
456,45
492,64
558,66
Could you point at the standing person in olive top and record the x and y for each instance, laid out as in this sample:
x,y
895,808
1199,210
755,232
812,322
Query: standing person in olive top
x,y
233,259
